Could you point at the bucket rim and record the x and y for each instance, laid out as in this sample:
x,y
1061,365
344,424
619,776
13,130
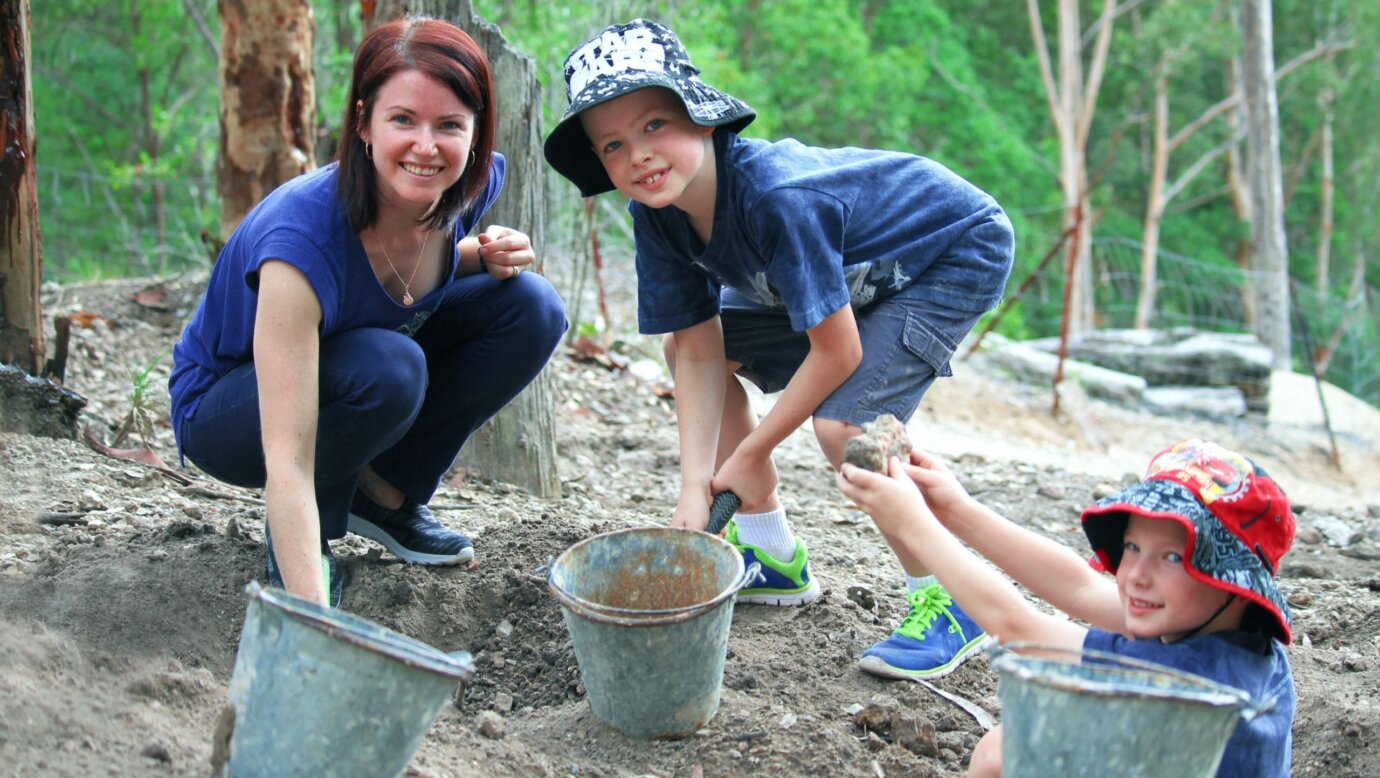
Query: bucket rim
x,y
636,617
1005,658
363,633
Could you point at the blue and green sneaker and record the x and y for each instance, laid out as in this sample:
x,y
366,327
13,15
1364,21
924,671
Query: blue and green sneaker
x,y
932,641
781,583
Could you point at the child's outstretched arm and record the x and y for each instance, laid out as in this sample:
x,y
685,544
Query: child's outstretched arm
x,y
917,537
835,352
1050,570
700,370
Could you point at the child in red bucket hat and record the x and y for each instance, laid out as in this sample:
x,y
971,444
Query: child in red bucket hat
x,y
1194,547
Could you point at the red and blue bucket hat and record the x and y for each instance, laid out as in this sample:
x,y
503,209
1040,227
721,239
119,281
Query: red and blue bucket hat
x,y
1238,520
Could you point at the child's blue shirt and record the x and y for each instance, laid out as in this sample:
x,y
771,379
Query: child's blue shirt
x,y
302,223
811,230
1260,748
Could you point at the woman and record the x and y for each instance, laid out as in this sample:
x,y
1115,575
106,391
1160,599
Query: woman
x,y
352,337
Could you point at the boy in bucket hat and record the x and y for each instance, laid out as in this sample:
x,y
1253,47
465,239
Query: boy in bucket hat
x,y
1195,548
842,278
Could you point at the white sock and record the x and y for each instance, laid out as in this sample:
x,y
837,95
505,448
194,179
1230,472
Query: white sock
x,y
914,584
767,531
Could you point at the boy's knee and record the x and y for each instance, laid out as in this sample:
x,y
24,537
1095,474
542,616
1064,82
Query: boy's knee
x,y
833,436
668,350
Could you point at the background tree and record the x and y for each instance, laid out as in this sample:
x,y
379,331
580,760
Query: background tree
x,y
1270,265
519,444
955,80
267,101
1072,103
21,254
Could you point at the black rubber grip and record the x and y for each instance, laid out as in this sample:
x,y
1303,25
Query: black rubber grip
x,y
724,506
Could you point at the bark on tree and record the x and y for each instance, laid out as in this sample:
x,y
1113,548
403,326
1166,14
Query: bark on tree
x,y
519,444
1269,278
1072,102
267,101
21,253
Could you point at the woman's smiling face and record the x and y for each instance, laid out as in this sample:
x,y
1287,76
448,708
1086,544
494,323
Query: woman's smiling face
x,y
421,135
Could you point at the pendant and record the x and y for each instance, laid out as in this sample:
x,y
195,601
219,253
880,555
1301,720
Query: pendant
x,y
407,298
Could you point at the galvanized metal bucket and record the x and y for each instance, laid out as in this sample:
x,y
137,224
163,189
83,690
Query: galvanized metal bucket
x,y
648,611
1067,712
320,692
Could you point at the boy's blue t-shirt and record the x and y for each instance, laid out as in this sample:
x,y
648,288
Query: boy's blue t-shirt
x,y
302,223
1260,748
811,230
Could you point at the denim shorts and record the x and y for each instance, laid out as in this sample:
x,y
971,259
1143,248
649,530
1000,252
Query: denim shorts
x,y
906,342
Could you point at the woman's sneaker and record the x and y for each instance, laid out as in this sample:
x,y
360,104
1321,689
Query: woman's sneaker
x,y
410,532
780,583
335,577
932,641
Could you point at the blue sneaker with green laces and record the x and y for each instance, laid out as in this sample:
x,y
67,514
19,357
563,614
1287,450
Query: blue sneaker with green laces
x,y
780,583
932,641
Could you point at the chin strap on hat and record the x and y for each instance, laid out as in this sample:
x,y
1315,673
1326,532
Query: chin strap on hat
x,y
1211,618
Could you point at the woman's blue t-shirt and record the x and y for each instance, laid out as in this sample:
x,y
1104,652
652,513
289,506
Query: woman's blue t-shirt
x,y
302,223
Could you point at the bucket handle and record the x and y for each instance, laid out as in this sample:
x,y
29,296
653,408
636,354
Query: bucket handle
x,y
632,617
1250,707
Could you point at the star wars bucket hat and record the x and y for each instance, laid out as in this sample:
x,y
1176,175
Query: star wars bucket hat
x,y
1239,522
622,59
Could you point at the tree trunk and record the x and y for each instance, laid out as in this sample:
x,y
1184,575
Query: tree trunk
x,y
1071,105
267,101
1154,205
1269,278
21,251
519,444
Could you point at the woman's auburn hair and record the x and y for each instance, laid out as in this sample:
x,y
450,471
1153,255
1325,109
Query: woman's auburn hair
x,y
446,53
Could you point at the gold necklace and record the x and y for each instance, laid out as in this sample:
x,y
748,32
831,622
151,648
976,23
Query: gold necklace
x,y
407,285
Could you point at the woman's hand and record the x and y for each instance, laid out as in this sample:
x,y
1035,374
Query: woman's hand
x,y
505,252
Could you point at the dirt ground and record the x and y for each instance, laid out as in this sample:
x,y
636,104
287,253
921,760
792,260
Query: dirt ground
x,y
122,588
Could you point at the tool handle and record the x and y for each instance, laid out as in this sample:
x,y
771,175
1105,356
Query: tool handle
x,y
722,509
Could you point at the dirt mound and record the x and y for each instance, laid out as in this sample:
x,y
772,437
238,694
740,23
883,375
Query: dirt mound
x,y
121,588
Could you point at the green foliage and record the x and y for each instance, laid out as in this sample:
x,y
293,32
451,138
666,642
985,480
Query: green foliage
x,y
140,418
126,109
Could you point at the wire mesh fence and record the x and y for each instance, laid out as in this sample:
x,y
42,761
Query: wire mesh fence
x,y
1335,329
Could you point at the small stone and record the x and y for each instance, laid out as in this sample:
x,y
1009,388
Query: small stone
x,y
1336,532
1104,490
503,630
1308,536
1052,491
1300,599
882,438
503,702
491,725
157,752
788,721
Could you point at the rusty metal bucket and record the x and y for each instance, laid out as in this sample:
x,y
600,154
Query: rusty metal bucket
x,y
648,611
1067,712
